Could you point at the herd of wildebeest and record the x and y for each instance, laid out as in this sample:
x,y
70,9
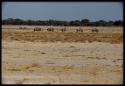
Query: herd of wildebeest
x,y
62,29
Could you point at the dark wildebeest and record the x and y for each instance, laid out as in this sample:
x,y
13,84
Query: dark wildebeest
x,y
50,29
63,29
22,28
79,30
37,29
95,30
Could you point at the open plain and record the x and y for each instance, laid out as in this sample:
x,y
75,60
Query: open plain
x,y
70,57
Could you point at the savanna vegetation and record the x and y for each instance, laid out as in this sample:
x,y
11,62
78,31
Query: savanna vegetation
x,y
83,22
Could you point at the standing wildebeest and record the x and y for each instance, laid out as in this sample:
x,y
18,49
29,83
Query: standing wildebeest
x,y
50,29
95,30
22,28
63,29
37,29
79,30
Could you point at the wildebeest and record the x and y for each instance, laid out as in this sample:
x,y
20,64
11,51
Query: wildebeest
x,y
22,27
37,29
50,29
95,30
63,29
79,30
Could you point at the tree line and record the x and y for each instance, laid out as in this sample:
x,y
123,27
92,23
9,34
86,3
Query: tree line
x,y
83,22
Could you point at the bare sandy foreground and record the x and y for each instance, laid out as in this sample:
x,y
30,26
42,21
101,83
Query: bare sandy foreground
x,y
61,63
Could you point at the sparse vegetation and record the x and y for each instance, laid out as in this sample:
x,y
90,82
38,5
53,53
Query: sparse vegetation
x,y
63,37
41,58
72,46
83,22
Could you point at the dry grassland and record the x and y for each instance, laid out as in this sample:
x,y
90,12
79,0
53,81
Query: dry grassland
x,y
43,57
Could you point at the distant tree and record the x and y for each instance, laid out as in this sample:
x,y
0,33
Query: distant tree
x,y
110,23
77,23
72,23
85,22
17,21
8,21
29,22
118,23
101,23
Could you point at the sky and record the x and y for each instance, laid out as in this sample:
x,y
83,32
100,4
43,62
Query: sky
x,y
68,11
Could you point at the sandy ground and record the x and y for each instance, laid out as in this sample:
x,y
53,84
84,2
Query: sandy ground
x,y
30,57
61,63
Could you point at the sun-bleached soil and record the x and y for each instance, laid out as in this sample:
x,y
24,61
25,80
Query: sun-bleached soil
x,y
26,61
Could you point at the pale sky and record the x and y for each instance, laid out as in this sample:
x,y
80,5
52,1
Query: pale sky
x,y
93,11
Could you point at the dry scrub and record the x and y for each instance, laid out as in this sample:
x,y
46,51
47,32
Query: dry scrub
x,y
59,36
43,57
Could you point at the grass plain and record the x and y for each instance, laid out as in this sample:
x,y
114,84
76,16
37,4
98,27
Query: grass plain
x,y
43,57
